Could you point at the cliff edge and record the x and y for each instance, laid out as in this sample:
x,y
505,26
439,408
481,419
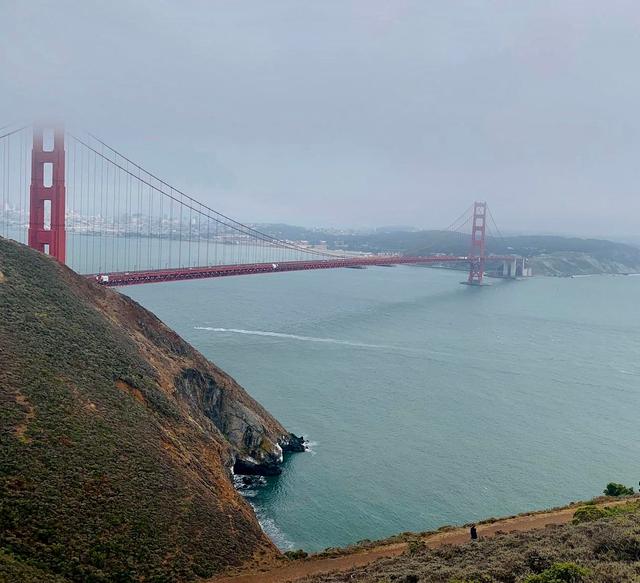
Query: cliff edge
x,y
118,439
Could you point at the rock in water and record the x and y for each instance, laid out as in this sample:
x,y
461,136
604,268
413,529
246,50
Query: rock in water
x,y
118,438
293,444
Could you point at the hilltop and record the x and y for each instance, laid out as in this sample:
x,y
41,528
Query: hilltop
x,y
118,439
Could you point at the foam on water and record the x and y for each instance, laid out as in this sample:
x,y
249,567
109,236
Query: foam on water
x,y
296,337
267,523
310,445
271,529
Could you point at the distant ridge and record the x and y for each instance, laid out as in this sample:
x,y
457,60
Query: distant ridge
x,y
549,254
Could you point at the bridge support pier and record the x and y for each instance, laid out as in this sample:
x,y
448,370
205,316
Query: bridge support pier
x,y
515,268
510,269
47,231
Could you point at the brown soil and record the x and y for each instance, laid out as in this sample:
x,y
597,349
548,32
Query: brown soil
x,y
296,570
21,429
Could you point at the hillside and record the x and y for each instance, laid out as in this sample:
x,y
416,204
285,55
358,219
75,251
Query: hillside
x,y
595,547
551,255
117,439
585,542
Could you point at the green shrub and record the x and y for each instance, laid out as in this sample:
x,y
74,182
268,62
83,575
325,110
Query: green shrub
x,y
537,561
588,514
559,573
621,547
614,489
297,554
415,546
591,513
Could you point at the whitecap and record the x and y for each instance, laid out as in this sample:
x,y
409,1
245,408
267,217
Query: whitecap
x,y
310,445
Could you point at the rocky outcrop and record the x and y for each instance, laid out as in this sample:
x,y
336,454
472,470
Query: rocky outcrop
x,y
293,444
259,442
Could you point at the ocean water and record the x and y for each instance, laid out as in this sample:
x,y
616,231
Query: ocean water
x,y
425,402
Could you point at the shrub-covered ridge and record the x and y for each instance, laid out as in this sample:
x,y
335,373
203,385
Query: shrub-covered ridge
x,y
116,438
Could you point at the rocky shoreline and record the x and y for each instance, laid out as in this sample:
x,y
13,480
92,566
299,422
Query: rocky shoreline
x,y
269,465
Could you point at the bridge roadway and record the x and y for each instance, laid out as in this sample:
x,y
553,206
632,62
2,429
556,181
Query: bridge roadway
x,y
122,278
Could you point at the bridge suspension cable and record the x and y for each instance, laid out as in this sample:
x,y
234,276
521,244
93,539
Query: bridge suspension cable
x,y
222,217
14,181
93,208
167,227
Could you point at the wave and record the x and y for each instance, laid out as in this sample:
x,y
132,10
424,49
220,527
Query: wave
x,y
310,445
296,337
271,529
251,494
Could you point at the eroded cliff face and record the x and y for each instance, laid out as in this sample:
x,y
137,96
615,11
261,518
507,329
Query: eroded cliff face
x,y
258,441
118,439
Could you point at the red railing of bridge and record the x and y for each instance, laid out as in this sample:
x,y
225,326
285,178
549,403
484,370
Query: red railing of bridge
x,y
180,274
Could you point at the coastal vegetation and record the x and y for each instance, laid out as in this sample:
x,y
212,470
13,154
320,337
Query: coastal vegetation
x,y
559,573
614,489
117,439
591,512
605,549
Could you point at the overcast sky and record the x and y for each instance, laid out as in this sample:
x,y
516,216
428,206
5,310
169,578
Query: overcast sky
x,y
358,113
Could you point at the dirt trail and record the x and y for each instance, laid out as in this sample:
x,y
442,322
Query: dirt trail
x,y
299,569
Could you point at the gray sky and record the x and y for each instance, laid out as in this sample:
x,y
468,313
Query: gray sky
x,y
345,112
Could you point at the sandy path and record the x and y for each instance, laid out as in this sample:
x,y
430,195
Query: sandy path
x,y
299,569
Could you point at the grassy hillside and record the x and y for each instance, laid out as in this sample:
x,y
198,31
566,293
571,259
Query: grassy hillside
x,y
116,439
599,547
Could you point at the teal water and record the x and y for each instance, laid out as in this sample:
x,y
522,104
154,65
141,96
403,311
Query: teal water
x,y
426,402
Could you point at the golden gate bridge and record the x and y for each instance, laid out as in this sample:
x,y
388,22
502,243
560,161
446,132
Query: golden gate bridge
x,y
91,207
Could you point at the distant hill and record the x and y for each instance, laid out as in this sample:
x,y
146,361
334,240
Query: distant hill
x,y
549,255
117,439
554,255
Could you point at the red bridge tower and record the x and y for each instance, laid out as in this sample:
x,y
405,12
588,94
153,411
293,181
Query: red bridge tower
x,y
47,195
477,254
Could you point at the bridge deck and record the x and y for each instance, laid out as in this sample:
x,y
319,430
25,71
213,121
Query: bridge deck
x,y
123,278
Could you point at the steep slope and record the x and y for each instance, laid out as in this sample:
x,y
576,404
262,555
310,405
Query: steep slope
x,y
118,438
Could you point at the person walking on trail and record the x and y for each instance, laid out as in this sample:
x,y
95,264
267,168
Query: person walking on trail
x,y
474,533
